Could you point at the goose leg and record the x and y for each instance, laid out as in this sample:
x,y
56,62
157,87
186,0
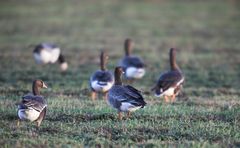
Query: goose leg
x,y
166,99
128,114
119,115
105,94
38,123
41,117
173,98
93,95
18,122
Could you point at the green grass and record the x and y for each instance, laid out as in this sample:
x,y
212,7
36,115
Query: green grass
x,y
207,33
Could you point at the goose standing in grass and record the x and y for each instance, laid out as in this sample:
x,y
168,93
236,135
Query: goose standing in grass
x,y
101,80
170,83
33,107
45,53
133,66
124,98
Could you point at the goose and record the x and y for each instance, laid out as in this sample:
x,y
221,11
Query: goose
x,y
101,80
133,66
45,53
124,98
170,83
33,107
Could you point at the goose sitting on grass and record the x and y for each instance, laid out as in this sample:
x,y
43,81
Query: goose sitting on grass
x,y
45,53
124,98
33,107
133,66
101,80
170,83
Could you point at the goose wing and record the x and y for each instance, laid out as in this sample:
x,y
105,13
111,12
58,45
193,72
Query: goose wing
x,y
128,94
170,79
36,102
132,61
104,76
41,46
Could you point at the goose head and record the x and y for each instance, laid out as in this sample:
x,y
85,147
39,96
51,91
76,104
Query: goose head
x,y
37,85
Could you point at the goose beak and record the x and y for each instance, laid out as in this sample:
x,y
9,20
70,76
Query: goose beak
x,y
44,85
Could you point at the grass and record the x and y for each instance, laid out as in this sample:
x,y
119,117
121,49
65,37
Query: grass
x,y
207,114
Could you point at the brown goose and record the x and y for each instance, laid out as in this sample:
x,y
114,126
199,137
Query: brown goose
x,y
101,80
45,53
124,98
169,84
133,66
33,107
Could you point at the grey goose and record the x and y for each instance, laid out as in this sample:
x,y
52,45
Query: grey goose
x,y
33,107
101,80
45,53
170,83
124,98
133,66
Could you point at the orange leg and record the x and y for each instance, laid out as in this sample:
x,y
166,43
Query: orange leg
x,y
173,98
38,124
105,94
93,95
18,123
119,115
128,114
166,99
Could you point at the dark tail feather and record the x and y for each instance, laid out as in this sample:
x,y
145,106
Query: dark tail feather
x,y
143,103
61,59
154,88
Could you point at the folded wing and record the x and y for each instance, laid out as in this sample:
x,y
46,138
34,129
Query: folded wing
x,y
36,102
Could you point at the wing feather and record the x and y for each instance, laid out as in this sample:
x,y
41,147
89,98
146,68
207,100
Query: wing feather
x,y
127,94
36,102
131,61
104,76
169,79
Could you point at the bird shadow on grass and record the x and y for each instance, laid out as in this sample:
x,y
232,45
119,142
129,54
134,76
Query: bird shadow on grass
x,y
81,117
88,117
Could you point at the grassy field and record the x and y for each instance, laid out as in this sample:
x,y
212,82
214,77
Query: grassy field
x,y
207,33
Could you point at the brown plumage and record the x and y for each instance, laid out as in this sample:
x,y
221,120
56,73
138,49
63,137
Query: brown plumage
x,y
124,98
33,107
101,80
46,53
170,83
133,66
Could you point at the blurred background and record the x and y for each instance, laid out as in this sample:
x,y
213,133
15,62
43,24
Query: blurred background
x,y
206,32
